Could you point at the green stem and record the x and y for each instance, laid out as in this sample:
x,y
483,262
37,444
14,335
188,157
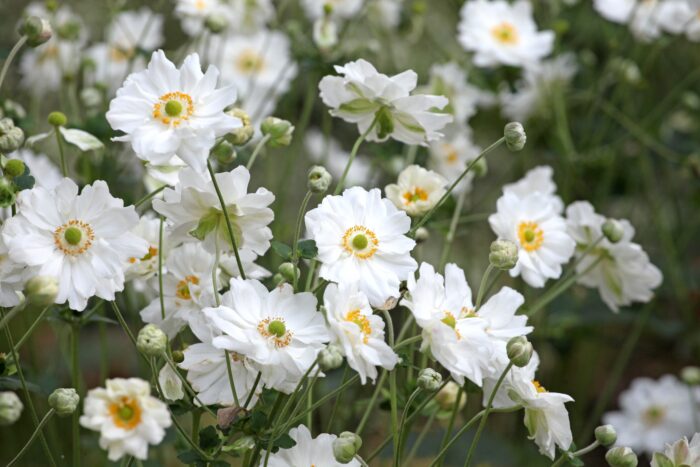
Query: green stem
x,y
257,150
297,234
41,424
230,378
450,425
196,417
160,269
6,66
75,375
393,402
214,270
252,391
149,196
370,406
449,238
421,436
353,154
187,385
571,455
402,424
31,329
11,314
482,286
61,153
346,372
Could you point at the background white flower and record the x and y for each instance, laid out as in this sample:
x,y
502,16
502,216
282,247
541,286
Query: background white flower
x,y
417,190
307,451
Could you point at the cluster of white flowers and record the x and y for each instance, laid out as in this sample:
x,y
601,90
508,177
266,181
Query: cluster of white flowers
x,y
649,19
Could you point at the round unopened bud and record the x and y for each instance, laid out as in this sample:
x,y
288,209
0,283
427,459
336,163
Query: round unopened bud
x,y
319,179
69,30
216,23
346,446
151,341
7,193
10,408
289,271
13,110
422,234
330,358
429,379
37,30
41,290
57,119
11,137
178,356
64,401
691,375
14,168
514,134
621,457
503,255
224,152
605,435
280,131
446,397
242,134
613,230
278,279
519,351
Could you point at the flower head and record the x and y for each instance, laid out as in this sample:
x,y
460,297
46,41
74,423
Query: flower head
x,y
307,451
417,190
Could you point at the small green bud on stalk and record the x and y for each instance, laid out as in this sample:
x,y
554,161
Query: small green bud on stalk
x,y
243,134
346,446
10,408
278,279
621,457
216,23
429,379
57,119
330,358
514,134
691,375
280,131
178,356
241,445
151,341
224,152
503,255
613,230
11,137
287,270
319,179
446,397
41,290
14,168
519,351
605,435
7,193
422,234
64,401
37,30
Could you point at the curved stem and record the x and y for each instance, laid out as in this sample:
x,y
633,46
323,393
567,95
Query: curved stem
x,y
230,378
449,238
403,423
370,406
149,196
10,314
31,439
450,425
482,286
160,269
187,385
353,154
297,234
263,141
570,455
31,329
6,66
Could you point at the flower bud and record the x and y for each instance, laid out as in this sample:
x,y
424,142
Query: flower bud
x,y
13,110
37,30
278,279
319,179
446,397
14,168
243,134
224,152
330,358
57,119
503,255
613,230
170,383
7,193
691,375
422,234
178,356
41,290
151,341
605,435
429,379
519,351
289,271
346,446
514,134
621,457
10,408
69,30
11,137
280,131
64,401
216,23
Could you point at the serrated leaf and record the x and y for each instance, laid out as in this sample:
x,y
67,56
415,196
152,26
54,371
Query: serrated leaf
x,y
80,139
285,251
307,249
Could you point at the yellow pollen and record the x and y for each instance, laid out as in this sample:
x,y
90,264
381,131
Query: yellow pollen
x,y
182,290
355,316
452,156
276,335
126,413
118,54
530,235
451,321
250,62
360,242
74,237
200,4
538,386
173,108
505,33
152,252
418,194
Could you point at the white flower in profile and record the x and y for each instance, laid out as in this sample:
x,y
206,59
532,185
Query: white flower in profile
x,y
146,266
540,85
166,112
333,157
12,278
194,13
361,237
617,11
538,179
620,271
692,26
645,21
127,417
417,190
386,12
500,33
280,332
450,80
450,157
362,95
357,331
187,288
229,265
46,174
341,9
307,451
83,240
167,174
533,224
193,211
653,413
680,454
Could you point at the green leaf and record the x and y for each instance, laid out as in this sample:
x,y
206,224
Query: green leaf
x,y
307,249
25,181
208,437
81,139
258,420
660,460
285,442
190,457
285,251
358,106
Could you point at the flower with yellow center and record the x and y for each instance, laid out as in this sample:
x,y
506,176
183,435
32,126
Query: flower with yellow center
x,y
275,330
417,190
250,62
182,290
360,242
74,237
173,108
356,316
505,33
126,413
530,235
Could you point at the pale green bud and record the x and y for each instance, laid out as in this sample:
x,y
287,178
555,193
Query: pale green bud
x,y
41,290
57,119
216,23
446,397
319,179
151,341
37,30
64,401
330,358
10,408
691,375
621,457
519,351
289,271
613,230
514,134
11,137
7,193
178,356
243,134
605,435
422,234
280,131
91,97
503,255
224,152
14,168
429,379
346,446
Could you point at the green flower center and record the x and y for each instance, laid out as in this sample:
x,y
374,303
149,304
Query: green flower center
x,y
73,235
277,328
449,320
173,108
360,242
125,412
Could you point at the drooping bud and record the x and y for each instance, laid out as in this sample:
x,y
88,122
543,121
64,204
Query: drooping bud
x,y
11,137
519,351
14,168
346,446
37,30
243,134
330,358
64,401
10,408
503,255
41,290
446,397
7,193
691,375
605,435
289,271
224,152
319,179
514,134
613,230
216,23
280,131
429,379
151,341
57,119
621,457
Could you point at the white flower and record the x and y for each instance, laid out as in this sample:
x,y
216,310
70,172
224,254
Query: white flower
x,y
417,190
361,238
307,451
673,16
242,16
166,174
333,157
12,278
194,211
363,94
617,11
644,23
45,172
501,33
450,80
127,417
681,453
539,86
166,112
652,413
280,332
623,273
170,384
358,331
229,265
345,9
187,289
692,27
83,240
194,13
146,266
538,179
386,12
533,224
449,157
44,68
